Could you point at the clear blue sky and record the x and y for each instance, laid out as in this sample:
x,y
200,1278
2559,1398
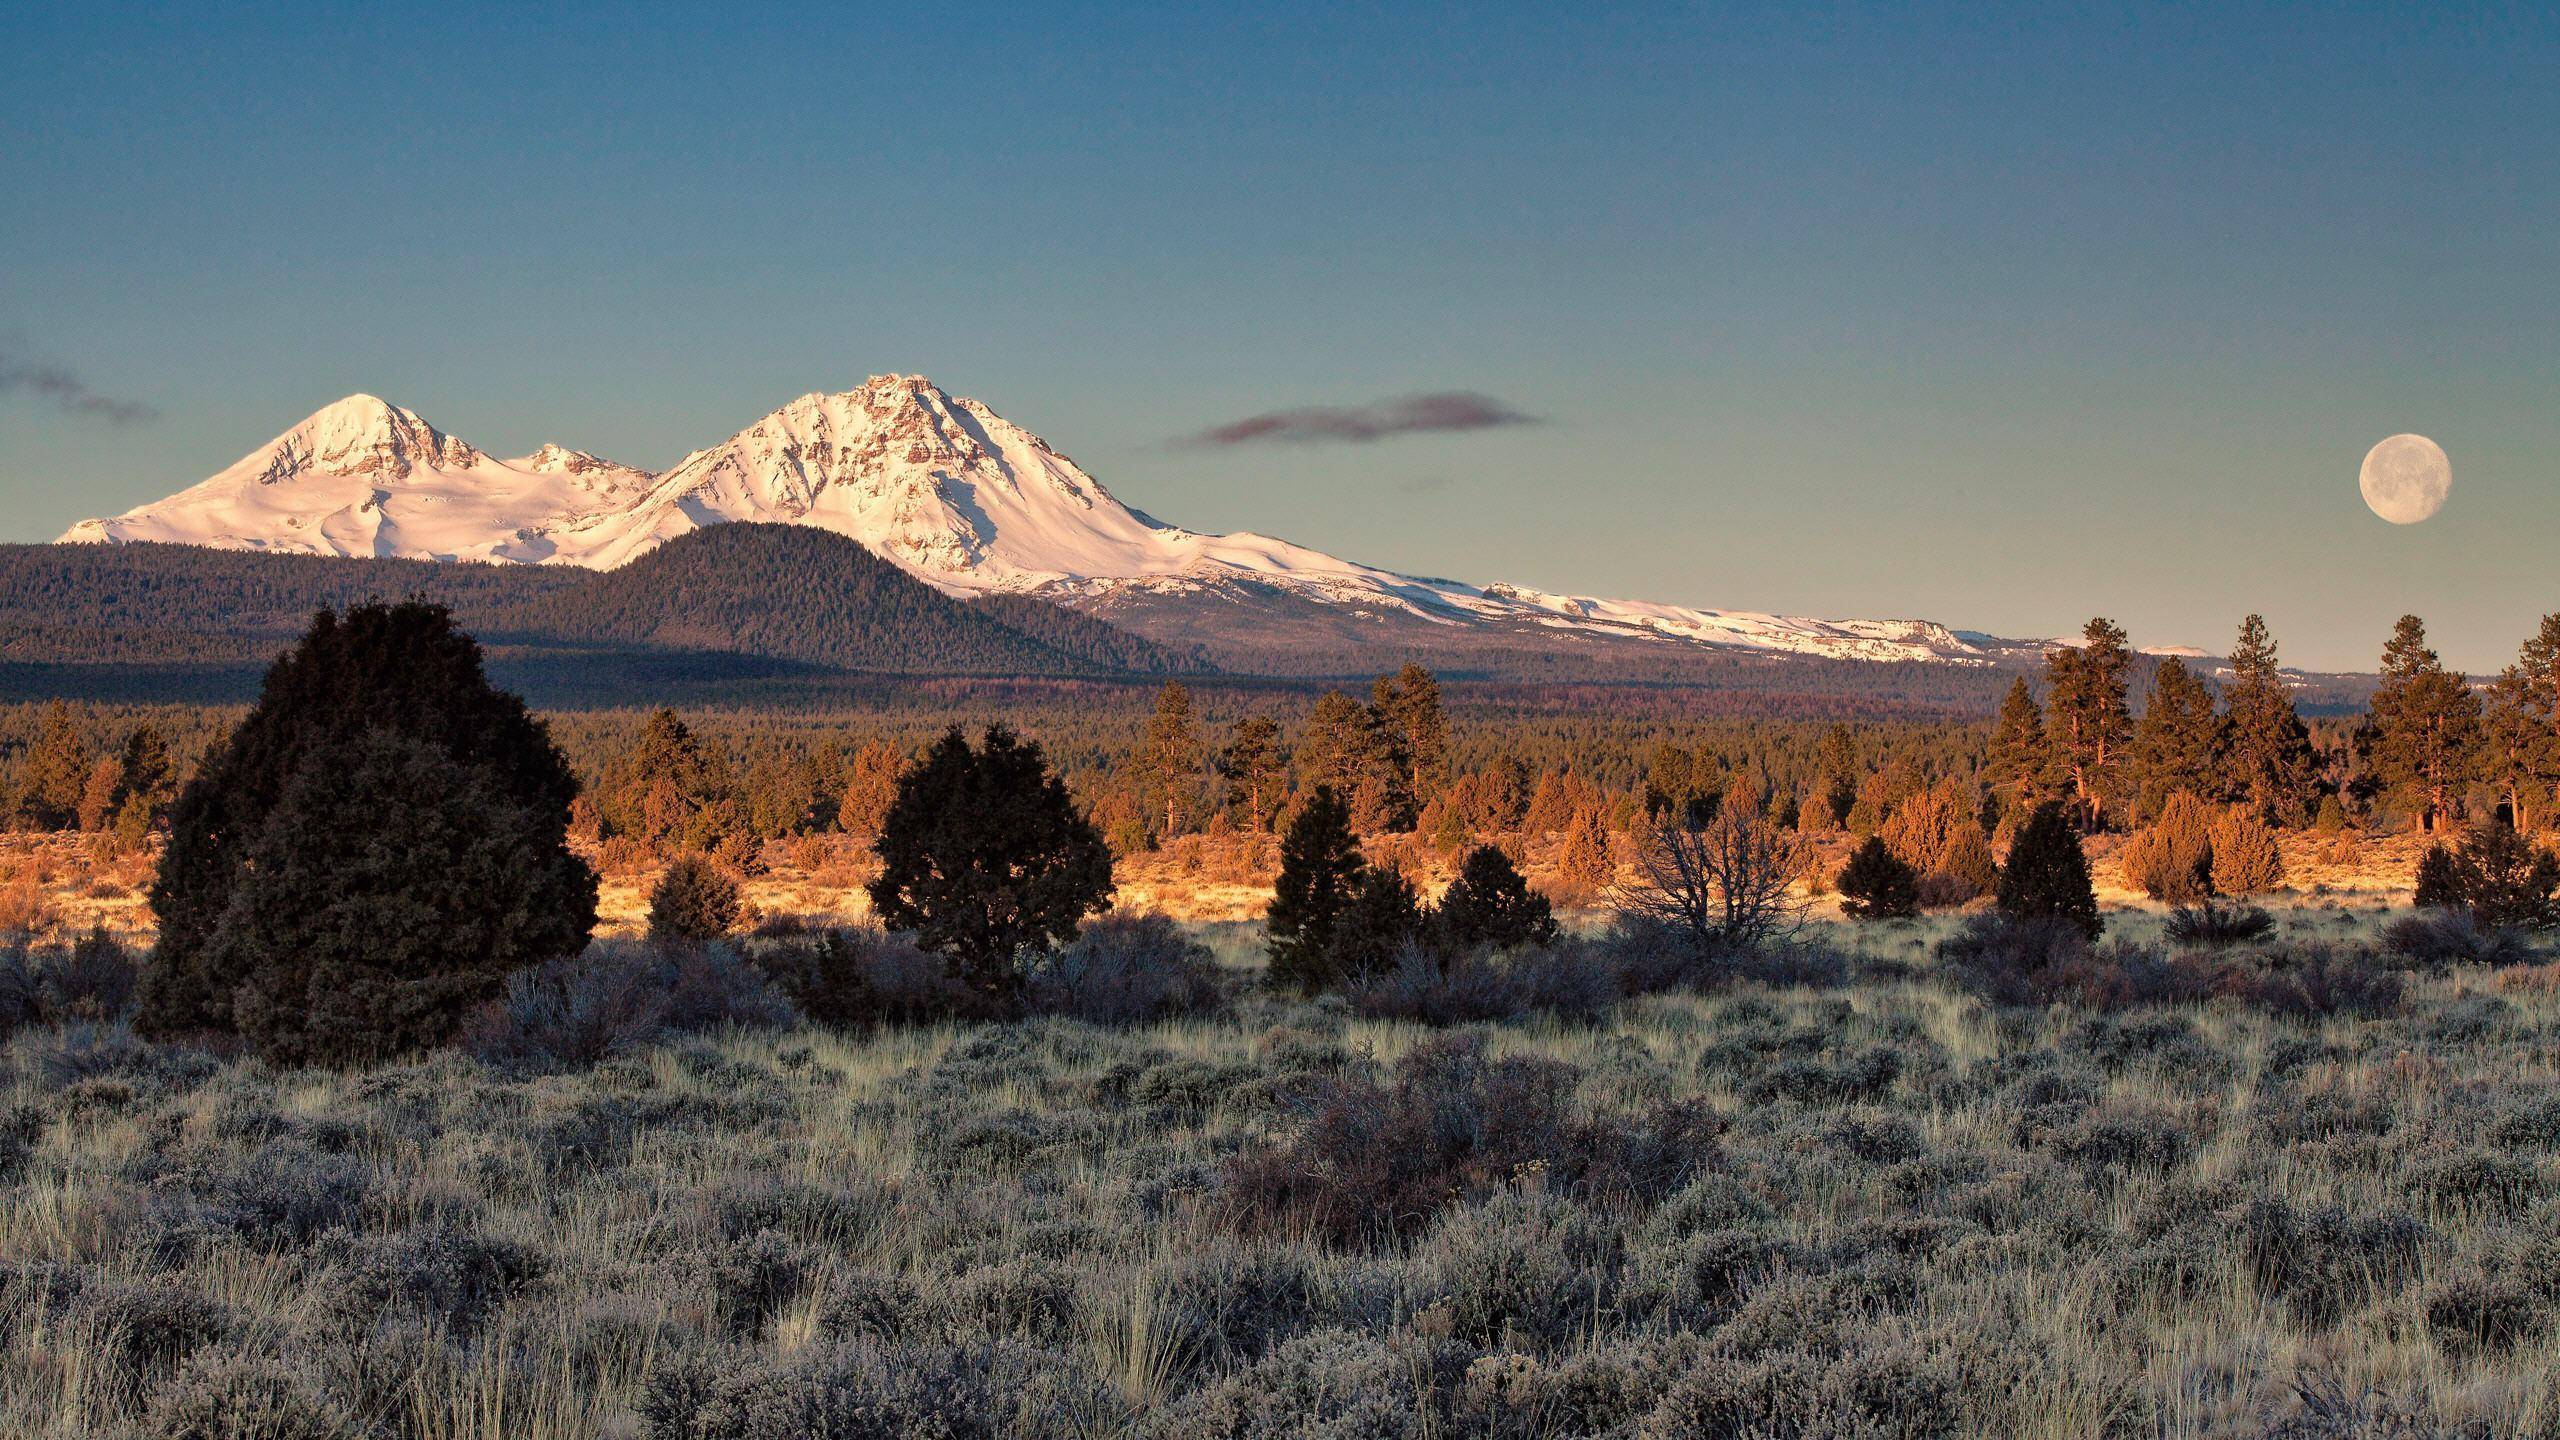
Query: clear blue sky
x,y
1998,319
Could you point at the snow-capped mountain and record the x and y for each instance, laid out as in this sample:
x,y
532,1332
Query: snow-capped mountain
x,y
365,477
945,488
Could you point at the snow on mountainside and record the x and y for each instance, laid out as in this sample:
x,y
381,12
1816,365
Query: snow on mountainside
x,y
364,477
945,488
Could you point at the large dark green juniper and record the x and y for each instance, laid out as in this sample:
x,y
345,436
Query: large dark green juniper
x,y
1319,861
1490,905
984,856
2047,877
389,893
377,670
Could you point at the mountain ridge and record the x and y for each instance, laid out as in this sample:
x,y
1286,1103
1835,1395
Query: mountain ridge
x,y
941,486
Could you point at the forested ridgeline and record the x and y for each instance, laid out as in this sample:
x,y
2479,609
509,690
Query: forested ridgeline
x,y
185,622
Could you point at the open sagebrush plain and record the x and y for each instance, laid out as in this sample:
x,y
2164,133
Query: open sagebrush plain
x,y
1844,1200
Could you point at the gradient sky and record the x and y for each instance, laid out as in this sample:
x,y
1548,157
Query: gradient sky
x,y
1999,319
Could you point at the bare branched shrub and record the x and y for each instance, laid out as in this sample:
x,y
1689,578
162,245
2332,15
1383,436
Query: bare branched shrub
x,y
1727,885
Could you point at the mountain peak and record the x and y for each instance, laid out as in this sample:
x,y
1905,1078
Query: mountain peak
x,y
554,459
363,435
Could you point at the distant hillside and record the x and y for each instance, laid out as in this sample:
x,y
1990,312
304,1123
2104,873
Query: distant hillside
x,y
790,592
758,600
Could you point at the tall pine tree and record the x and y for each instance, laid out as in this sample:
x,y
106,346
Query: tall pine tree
x,y
2020,768
1408,708
2178,746
1173,760
1255,769
2088,719
2269,761
2425,723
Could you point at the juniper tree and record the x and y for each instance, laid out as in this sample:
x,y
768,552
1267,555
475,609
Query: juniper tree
x,y
1490,905
2506,879
986,859
1319,861
2047,875
401,669
2173,859
1835,762
1380,918
1588,863
2087,718
389,892
2424,721
694,900
2269,757
1876,884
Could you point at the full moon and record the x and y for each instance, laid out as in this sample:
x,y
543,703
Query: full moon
x,y
2405,478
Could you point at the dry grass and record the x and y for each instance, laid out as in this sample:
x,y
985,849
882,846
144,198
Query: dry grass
x,y
2168,1222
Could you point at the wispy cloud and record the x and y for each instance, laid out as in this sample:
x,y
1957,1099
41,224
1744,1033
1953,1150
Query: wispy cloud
x,y
66,391
1412,415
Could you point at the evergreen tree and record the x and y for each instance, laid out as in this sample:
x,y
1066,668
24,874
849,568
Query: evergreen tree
x,y
2438,887
1344,749
870,788
2047,877
2506,879
1173,761
694,900
98,797
1835,763
145,775
1407,705
2269,760
2538,669
2020,768
1559,796
1877,885
2425,722
1587,865
1380,918
55,777
2179,743
2173,860
389,891
2087,719
2515,746
984,856
401,669
672,793
1319,860
1490,905
1256,771
1924,828
2246,858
